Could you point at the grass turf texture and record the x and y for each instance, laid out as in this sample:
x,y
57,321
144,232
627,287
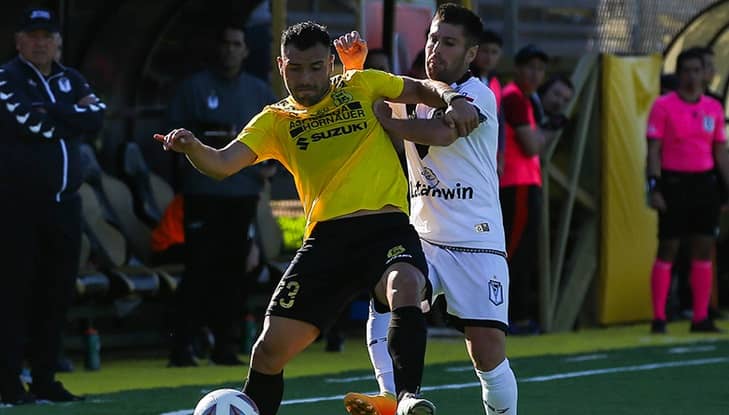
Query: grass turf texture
x,y
146,387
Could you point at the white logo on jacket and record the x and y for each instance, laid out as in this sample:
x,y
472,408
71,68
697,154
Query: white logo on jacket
x,y
213,101
64,84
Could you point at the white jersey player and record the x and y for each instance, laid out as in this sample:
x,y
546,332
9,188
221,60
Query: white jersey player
x,y
455,208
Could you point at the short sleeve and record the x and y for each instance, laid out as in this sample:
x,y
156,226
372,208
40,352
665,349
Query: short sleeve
x,y
720,130
656,122
381,84
260,137
516,109
481,97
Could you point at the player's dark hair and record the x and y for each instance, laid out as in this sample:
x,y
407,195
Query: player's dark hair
x,y
305,35
491,37
687,55
458,15
553,80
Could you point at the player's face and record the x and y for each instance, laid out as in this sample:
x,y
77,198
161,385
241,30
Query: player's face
x,y
530,75
447,52
37,46
556,98
306,72
232,49
691,75
489,55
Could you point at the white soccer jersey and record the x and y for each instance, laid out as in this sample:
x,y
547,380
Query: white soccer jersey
x,y
454,190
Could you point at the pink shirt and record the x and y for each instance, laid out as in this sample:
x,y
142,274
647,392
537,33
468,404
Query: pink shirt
x,y
519,168
688,131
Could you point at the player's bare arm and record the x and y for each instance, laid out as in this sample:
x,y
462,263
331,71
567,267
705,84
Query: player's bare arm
x,y
461,115
722,161
431,132
212,162
653,169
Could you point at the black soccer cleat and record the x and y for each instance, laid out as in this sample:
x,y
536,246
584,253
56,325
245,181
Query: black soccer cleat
x,y
13,393
54,392
658,327
705,326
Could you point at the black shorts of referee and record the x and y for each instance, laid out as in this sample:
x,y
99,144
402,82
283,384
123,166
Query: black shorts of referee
x,y
693,203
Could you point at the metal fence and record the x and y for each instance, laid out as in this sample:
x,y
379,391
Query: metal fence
x,y
642,26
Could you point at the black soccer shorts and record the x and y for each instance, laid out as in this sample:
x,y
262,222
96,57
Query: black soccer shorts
x,y
340,260
692,205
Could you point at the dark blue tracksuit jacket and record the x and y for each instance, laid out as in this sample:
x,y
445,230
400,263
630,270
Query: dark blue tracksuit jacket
x,y
41,126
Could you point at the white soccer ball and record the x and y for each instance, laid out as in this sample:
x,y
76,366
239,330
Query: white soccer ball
x,y
226,402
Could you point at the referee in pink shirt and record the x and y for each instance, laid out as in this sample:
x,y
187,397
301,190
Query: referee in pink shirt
x,y
685,141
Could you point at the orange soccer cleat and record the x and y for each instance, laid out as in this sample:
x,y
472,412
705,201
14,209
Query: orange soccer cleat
x,y
361,404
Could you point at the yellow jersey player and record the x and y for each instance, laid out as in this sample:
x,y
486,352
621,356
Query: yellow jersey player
x,y
358,238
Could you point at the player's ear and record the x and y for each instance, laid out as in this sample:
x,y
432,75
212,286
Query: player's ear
x,y
279,61
331,62
471,53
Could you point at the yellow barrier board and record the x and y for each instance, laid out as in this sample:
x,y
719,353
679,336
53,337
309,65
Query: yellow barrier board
x,y
629,227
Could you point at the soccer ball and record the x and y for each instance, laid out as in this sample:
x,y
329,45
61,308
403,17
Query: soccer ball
x,y
226,402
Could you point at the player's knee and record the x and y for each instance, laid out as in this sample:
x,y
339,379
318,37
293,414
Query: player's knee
x,y
407,279
488,347
667,250
488,361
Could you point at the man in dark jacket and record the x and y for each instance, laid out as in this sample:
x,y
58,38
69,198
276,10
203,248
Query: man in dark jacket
x,y
216,103
45,108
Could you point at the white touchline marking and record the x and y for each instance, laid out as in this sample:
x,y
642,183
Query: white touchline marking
x,y
585,358
545,378
622,369
348,380
459,369
683,350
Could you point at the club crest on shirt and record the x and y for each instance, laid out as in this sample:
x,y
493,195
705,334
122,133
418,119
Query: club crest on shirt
x,y
496,292
213,101
64,84
430,177
341,97
709,124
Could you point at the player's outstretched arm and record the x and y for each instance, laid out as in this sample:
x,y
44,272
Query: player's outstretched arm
x,y
431,132
212,162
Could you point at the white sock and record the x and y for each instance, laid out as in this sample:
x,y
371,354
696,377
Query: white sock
x,y
377,325
499,389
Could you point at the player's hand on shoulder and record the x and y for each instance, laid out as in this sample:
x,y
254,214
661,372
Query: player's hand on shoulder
x,y
462,116
179,140
382,110
352,50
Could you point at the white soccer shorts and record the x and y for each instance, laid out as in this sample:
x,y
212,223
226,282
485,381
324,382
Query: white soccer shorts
x,y
475,284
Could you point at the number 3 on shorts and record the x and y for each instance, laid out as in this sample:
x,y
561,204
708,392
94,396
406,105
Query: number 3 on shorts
x,y
293,289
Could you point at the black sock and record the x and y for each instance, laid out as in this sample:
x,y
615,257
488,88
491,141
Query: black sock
x,y
406,343
265,390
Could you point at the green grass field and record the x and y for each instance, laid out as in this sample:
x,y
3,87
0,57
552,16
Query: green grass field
x,y
621,370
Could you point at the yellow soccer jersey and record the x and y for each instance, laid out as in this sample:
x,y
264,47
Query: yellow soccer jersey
x,y
341,158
